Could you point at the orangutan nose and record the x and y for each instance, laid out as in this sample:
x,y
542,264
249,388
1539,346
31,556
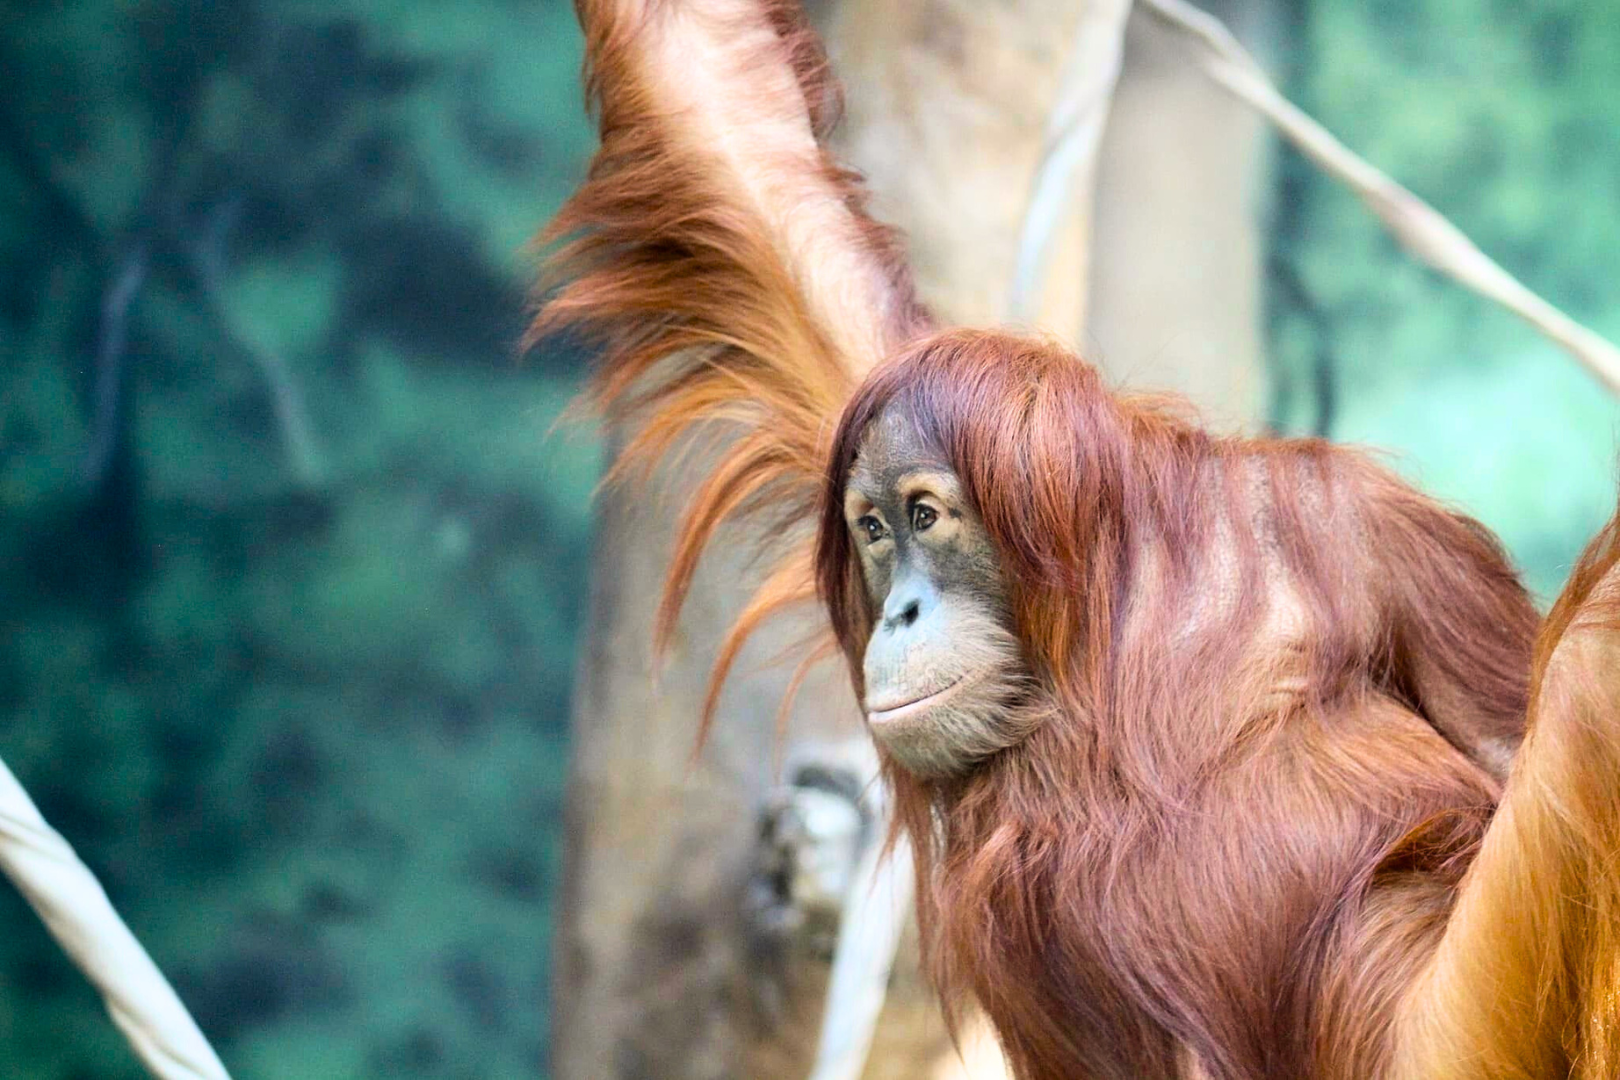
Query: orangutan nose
x,y
905,604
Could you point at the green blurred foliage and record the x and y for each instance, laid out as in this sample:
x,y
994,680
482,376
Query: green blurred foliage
x,y
296,688
1504,117
302,704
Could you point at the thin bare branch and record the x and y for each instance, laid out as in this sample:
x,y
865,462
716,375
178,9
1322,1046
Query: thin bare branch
x,y
1068,167
1419,228
111,360
287,401
75,909
876,910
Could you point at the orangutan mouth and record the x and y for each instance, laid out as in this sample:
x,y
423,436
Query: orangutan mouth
x,y
899,711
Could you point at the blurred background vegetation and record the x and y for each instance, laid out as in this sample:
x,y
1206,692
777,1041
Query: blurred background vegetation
x,y
291,564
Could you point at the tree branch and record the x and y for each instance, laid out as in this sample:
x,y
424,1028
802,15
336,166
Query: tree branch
x,y
1419,227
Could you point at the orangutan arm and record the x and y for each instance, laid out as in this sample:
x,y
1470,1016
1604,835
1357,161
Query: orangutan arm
x,y
712,216
1526,981
1457,621
726,268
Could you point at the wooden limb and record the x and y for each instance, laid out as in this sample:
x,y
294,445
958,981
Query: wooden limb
x,y
112,336
75,909
1067,173
1419,227
876,911
286,400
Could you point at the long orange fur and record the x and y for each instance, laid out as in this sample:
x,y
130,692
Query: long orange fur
x,y
1256,832
675,261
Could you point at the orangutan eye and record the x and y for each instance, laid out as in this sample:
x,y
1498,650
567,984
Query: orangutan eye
x,y
871,526
922,516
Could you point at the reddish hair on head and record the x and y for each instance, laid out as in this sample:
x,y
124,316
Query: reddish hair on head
x,y
1043,452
